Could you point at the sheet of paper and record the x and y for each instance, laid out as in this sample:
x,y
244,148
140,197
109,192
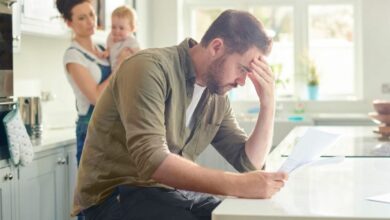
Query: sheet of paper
x,y
326,161
380,198
309,148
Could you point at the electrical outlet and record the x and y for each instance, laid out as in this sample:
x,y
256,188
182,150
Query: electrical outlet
x,y
385,88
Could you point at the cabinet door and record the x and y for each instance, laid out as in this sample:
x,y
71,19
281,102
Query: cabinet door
x,y
72,174
42,188
6,177
16,32
41,17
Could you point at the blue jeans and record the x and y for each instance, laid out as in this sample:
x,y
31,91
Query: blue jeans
x,y
81,133
144,203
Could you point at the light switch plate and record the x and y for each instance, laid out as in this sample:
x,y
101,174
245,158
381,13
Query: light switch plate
x,y
385,88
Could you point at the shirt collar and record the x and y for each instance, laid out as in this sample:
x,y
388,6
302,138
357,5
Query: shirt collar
x,y
185,59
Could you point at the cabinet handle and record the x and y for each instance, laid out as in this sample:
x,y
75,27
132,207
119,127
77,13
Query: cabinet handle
x,y
61,161
16,38
8,176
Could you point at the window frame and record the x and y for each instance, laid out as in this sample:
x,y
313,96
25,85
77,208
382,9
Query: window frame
x,y
301,35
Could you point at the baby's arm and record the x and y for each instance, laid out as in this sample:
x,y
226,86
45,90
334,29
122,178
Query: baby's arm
x,y
106,53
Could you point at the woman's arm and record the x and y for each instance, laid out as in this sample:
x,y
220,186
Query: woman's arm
x,y
85,82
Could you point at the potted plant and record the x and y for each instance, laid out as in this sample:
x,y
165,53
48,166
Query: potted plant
x,y
310,69
312,80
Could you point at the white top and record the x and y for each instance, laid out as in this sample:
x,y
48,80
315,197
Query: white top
x,y
198,91
116,48
75,56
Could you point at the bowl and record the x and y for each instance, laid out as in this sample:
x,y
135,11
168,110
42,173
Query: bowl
x,y
380,118
382,106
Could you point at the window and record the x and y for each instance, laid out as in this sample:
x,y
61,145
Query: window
x,y
320,32
331,44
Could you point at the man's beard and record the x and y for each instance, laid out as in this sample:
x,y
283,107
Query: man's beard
x,y
215,76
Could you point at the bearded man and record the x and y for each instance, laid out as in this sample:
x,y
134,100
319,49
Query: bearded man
x,y
161,110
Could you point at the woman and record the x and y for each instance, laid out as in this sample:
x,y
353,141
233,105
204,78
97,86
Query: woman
x,y
87,73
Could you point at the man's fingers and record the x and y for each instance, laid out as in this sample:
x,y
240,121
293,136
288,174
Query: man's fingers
x,y
281,176
261,71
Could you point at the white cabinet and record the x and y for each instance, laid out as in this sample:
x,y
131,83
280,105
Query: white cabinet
x,y
7,179
72,174
43,188
16,32
41,17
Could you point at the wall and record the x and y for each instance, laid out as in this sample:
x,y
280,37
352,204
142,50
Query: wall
x,y
376,47
144,27
163,20
38,67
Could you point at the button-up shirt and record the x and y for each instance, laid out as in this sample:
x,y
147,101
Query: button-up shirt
x,y
140,118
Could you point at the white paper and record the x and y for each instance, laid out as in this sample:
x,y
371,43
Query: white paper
x,y
327,161
380,198
308,149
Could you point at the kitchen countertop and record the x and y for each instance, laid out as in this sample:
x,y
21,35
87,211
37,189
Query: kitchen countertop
x,y
311,117
335,191
52,138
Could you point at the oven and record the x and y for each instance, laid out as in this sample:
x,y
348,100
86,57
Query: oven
x,y
6,70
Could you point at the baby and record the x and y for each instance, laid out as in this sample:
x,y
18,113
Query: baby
x,y
123,25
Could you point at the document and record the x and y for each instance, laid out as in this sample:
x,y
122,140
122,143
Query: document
x,y
380,198
309,148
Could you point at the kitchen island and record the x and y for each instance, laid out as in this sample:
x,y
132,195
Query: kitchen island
x,y
333,191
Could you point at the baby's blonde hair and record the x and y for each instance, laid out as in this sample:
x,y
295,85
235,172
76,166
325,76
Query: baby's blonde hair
x,y
126,12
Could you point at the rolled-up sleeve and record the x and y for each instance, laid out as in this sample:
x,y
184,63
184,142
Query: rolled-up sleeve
x,y
230,142
139,89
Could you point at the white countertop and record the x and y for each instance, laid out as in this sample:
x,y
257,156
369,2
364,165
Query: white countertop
x,y
311,117
336,191
52,138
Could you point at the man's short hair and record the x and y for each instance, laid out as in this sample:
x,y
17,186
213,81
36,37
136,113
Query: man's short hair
x,y
240,31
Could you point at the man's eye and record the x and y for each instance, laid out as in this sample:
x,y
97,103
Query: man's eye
x,y
245,70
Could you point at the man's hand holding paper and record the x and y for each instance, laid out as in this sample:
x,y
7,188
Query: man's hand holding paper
x,y
308,149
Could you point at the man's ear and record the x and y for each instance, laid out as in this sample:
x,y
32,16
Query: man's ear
x,y
216,47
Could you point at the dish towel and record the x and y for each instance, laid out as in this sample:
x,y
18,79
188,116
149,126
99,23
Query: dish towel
x,y
19,143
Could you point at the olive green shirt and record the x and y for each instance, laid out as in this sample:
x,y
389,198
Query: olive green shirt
x,y
140,119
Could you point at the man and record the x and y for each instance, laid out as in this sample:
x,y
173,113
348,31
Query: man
x,y
161,110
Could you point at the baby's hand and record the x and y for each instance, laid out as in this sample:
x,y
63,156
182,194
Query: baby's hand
x,y
103,54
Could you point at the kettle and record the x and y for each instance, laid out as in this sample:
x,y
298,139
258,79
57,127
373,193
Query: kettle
x,y
31,111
